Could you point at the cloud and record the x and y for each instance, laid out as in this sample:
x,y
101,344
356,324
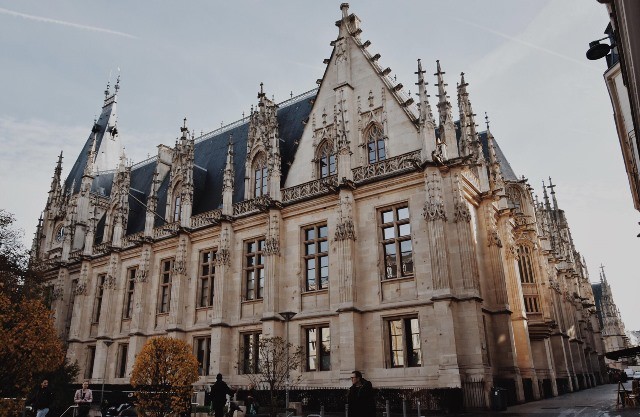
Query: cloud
x,y
63,23
530,45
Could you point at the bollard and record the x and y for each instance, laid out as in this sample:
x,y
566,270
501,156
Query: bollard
x,y
388,408
419,415
322,411
404,407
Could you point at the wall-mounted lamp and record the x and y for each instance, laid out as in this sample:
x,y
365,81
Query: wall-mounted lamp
x,y
598,50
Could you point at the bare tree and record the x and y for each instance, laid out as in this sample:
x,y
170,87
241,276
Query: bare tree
x,y
275,360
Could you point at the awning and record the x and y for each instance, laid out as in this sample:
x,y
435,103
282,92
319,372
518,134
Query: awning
x,y
623,353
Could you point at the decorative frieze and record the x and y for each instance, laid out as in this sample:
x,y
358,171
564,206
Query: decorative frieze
x,y
206,219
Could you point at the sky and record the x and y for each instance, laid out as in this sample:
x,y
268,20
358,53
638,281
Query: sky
x,y
204,60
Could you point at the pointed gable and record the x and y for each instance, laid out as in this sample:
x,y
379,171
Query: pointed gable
x,y
355,93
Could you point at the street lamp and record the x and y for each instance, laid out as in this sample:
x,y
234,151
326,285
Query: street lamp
x,y
107,343
287,315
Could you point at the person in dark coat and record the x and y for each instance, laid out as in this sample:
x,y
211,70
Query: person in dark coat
x,y
219,392
361,398
42,399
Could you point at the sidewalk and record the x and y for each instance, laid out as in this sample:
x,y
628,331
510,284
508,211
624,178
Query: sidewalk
x,y
598,401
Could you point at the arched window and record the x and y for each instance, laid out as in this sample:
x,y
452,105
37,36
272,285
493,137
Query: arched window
x,y
176,207
375,143
260,176
524,265
326,159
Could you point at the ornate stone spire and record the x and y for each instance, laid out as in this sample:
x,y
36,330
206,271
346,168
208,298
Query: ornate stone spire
x,y
426,123
446,128
469,143
227,182
496,181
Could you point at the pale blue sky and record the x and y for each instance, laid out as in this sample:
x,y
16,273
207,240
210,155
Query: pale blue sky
x,y
523,59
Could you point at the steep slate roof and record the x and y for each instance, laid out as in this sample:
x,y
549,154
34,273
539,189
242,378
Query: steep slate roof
x,y
81,162
505,167
210,157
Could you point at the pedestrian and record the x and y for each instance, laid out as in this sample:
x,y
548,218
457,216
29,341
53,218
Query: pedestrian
x,y
219,392
361,398
42,398
83,399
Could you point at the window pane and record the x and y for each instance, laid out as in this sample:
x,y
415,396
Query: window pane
x,y
387,216
310,248
323,231
388,232
403,213
395,339
324,246
404,229
205,269
310,234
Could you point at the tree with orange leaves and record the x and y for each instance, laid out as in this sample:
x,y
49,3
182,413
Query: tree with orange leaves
x,y
29,345
163,375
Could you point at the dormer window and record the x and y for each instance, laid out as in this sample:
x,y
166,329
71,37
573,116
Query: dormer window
x,y
375,143
326,159
260,176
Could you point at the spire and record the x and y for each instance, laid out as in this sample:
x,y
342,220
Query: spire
x,y
547,206
446,128
469,143
553,194
603,277
496,179
227,182
89,168
426,117
55,181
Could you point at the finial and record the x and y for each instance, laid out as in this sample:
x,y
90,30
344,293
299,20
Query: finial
x,y
486,120
117,86
462,81
551,186
261,94
345,10
106,91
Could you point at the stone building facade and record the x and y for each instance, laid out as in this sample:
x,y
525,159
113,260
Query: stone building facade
x,y
404,243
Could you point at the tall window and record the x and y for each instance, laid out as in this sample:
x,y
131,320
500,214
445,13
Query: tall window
x,y
128,295
396,242
260,176
254,269
524,264
375,143
251,352
202,347
97,305
404,342
531,304
165,286
207,275
91,358
121,370
316,257
326,159
318,348
177,207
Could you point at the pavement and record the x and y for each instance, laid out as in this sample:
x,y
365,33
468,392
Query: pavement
x,y
599,401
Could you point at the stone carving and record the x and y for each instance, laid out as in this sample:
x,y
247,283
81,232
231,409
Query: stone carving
x,y
180,264
223,257
143,269
494,239
345,230
271,246
434,206
112,273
